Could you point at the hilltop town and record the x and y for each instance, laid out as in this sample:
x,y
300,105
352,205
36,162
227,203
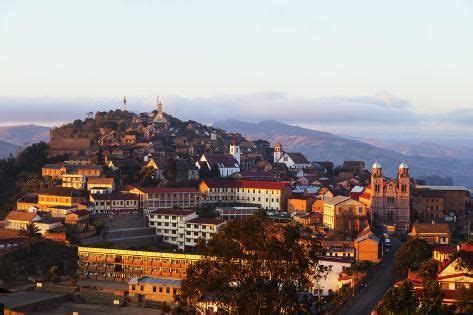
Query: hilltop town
x,y
119,206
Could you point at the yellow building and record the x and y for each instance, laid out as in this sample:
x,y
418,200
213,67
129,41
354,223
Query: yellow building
x,y
122,265
60,197
340,209
154,289
27,201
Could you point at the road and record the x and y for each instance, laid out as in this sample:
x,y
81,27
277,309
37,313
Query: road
x,y
367,299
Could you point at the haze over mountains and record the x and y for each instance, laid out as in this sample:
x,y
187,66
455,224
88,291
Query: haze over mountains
x,y
424,158
12,138
321,146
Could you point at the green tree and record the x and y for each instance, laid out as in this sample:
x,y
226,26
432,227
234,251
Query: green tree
x,y
431,300
399,300
465,300
253,266
410,256
429,269
32,233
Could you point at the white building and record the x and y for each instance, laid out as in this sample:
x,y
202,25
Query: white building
x,y
74,181
182,227
267,195
335,265
227,164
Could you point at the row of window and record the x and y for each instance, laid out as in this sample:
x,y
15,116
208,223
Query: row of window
x,y
244,190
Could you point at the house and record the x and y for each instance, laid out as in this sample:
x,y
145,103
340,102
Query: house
x,y
79,217
75,181
58,170
227,165
456,273
343,212
300,203
115,203
325,193
17,220
318,206
71,147
368,246
267,195
60,196
443,253
11,240
432,233
329,284
46,225
354,167
453,199
186,170
307,218
154,289
155,198
26,201
101,182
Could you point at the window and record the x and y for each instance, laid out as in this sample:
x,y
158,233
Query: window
x,y
154,289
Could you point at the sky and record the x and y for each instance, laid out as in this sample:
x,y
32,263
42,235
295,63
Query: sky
x,y
324,63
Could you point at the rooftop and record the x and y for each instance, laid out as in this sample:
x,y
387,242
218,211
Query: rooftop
x,y
21,216
206,221
431,228
462,188
61,191
159,281
257,184
115,196
176,212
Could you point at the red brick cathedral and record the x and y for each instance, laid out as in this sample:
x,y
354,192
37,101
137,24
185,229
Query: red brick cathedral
x,y
388,199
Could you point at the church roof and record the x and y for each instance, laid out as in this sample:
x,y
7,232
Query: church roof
x,y
298,158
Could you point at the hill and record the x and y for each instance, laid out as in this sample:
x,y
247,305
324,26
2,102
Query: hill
x,y
7,148
321,146
23,135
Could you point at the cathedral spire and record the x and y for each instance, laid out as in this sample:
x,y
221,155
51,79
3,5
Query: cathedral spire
x,y
124,103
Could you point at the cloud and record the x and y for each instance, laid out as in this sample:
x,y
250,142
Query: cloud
x,y
360,115
380,109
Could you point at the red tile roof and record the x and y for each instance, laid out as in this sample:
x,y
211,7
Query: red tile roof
x,y
445,249
257,184
115,196
21,216
158,190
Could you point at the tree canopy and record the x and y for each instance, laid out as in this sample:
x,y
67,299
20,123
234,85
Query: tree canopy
x,y
254,266
410,256
399,300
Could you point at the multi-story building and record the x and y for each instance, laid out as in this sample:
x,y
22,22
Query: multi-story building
x,y
116,203
389,199
74,181
26,201
182,227
448,199
267,195
154,289
122,265
60,196
58,170
156,198
343,212
431,233
101,182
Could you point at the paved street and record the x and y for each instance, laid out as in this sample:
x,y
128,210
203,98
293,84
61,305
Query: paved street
x,y
367,299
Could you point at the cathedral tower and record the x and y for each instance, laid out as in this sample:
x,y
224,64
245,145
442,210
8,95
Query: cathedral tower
x,y
277,152
235,150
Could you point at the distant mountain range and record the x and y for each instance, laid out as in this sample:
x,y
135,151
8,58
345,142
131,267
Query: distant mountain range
x,y
13,138
321,146
23,135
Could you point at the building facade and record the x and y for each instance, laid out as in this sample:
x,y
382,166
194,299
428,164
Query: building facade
x,y
183,228
343,212
156,198
389,199
267,195
122,265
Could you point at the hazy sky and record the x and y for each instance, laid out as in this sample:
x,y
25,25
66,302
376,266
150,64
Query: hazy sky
x,y
418,51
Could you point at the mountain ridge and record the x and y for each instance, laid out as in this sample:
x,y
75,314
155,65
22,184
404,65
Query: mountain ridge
x,y
321,146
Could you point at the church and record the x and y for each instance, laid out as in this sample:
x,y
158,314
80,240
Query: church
x,y
388,199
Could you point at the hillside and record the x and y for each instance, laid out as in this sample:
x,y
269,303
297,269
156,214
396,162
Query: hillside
x,y
321,146
7,148
23,135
